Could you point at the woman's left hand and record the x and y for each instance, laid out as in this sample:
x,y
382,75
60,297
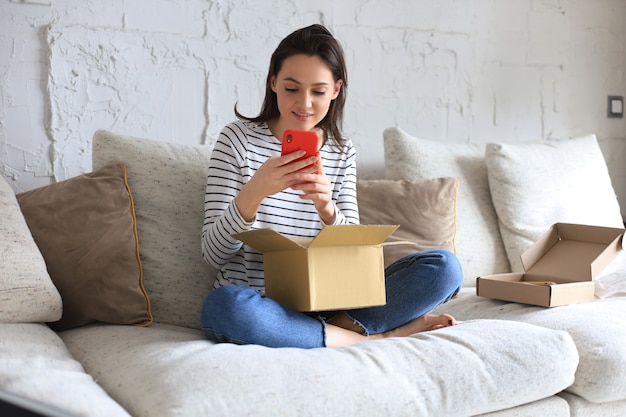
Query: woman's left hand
x,y
316,187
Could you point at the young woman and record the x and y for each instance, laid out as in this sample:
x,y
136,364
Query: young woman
x,y
250,186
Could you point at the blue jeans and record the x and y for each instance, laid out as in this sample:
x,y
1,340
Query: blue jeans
x,y
415,285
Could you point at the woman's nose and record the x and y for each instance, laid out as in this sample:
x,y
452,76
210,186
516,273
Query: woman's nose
x,y
305,99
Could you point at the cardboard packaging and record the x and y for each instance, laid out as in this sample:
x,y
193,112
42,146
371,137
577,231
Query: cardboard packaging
x,y
341,268
559,268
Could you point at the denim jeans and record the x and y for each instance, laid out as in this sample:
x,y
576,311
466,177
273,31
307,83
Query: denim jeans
x,y
415,285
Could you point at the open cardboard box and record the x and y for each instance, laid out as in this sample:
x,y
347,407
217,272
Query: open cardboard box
x,y
560,267
341,268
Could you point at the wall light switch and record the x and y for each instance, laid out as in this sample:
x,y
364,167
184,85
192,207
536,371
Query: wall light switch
x,y
616,106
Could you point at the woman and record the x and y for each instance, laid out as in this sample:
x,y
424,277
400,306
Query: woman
x,y
250,186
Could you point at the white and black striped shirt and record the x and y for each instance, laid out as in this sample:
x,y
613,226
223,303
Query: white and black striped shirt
x,y
239,152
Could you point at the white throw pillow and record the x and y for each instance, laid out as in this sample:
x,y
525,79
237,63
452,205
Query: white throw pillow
x,y
168,182
479,246
27,293
534,185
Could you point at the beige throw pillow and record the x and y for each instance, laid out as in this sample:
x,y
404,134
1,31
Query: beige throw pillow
x,y
424,209
85,229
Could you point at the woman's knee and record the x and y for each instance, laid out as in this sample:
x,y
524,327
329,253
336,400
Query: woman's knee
x,y
442,264
225,305
449,261
450,266
437,258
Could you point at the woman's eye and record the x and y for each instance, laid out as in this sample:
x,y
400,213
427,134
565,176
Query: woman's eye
x,y
295,90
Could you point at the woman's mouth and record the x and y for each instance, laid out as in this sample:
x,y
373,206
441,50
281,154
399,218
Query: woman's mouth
x,y
302,116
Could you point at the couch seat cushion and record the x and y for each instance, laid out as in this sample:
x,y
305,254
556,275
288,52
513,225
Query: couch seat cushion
x,y
554,406
473,368
596,327
580,407
35,364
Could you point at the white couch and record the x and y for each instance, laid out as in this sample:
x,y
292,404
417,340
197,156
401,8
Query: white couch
x,y
502,359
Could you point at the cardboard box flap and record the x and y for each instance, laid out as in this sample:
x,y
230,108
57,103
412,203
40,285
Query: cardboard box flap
x,y
569,260
607,256
267,240
572,252
352,235
595,234
539,248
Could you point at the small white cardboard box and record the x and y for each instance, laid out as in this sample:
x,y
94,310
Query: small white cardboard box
x,y
559,268
341,268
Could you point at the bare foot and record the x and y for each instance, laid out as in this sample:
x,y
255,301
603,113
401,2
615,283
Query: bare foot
x,y
342,331
426,323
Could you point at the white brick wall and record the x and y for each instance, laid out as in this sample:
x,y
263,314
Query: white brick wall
x,y
449,70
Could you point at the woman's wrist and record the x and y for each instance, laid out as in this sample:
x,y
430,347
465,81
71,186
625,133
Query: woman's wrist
x,y
247,204
329,214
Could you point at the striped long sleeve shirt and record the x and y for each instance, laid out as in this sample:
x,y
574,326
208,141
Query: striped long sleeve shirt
x,y
241,149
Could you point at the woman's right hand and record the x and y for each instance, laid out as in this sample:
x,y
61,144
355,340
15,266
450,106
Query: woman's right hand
x,y
274,176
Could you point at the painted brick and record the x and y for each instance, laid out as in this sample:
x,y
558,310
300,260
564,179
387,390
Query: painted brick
x,y
451,70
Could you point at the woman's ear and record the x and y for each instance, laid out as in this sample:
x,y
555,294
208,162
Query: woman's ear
x,y
273,83
338,85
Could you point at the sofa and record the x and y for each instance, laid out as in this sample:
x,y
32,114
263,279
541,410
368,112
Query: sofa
x,y
102,280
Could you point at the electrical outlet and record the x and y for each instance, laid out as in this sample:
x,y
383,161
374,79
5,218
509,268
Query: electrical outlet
x,y
615,106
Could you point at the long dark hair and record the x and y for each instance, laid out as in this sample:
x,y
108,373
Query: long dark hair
x,y
311,40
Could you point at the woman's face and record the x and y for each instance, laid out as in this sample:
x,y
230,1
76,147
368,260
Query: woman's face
x,y
304,89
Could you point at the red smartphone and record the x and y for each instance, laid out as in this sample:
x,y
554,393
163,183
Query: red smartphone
x,y
294,140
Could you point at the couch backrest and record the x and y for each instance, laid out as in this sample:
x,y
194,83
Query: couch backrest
x,y
479,245
167,182
509,194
